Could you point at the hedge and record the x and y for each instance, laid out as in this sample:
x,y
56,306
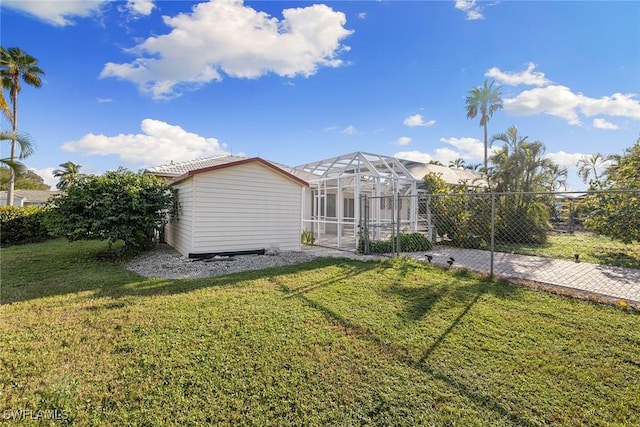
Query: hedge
x,y
409,242
19,225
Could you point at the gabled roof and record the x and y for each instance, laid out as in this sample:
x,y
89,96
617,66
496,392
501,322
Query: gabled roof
x,y
224,163
180,168
31,196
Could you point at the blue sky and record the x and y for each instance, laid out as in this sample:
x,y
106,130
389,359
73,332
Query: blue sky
x,y
141,83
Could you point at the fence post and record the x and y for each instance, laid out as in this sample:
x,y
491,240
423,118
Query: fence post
x,y
493,232
365,230
398,224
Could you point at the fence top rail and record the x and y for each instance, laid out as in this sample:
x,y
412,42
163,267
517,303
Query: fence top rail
x,y
533,193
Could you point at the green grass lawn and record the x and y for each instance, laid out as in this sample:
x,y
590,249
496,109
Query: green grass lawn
x,y
331,342
591,248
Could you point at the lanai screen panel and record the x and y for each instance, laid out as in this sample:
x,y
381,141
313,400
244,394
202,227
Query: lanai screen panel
x,y
339,186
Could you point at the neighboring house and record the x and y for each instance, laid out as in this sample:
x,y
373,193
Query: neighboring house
x,y
28,197
449,175
233,205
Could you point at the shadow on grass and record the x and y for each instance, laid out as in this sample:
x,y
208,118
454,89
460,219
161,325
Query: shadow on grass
x,y
59,268
419,301
353,269
615,258
151,287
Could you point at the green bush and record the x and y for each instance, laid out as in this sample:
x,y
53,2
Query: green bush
x,y
20,225
118,205
409,242
307,237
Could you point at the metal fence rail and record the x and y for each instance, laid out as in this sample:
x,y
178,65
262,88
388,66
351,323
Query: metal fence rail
x,y
535,236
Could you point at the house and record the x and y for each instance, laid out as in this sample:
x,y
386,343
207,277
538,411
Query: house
x,y
233,204
28,197
449,175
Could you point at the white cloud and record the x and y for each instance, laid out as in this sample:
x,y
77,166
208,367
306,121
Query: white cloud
x,y
403,140
603,124
618,104
362,15
417,120
415,155
227,37
470,7
565,159
468,148
57,12
140,7
446,155
349,130
555,100
526,77
104,100
561,102
47,176
159,143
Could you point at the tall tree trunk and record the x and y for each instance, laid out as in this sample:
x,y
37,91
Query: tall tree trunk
x,y
12,174
486,163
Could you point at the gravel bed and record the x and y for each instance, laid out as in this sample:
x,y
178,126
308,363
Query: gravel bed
x,y
166,262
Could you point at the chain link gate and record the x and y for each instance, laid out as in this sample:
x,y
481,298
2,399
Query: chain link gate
x,y
527,235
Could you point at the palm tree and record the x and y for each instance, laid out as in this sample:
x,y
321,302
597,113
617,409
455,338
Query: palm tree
x,y
16,65
26,149
588,165
457,163
484,100
4,107
67,174
521,169
435,162
520,165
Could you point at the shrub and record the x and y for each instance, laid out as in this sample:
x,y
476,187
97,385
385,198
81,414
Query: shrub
x,y
307,237
409,242
119,205
22,225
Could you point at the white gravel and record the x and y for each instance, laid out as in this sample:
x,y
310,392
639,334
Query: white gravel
x,y
166,262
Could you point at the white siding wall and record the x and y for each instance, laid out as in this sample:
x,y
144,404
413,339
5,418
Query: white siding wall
x,y
306,208
245,207
179,233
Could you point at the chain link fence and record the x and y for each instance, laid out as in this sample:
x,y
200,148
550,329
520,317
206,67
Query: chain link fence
x,y
543,237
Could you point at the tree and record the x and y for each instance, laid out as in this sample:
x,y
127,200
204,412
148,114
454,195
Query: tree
x,y
458,212
591,165
119,205
617,214
484,100
520,168
16,65
25,180
25,146
4,106
520,165
67,174
457,163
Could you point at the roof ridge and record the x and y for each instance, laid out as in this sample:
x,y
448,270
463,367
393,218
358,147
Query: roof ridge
x,y
187,162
